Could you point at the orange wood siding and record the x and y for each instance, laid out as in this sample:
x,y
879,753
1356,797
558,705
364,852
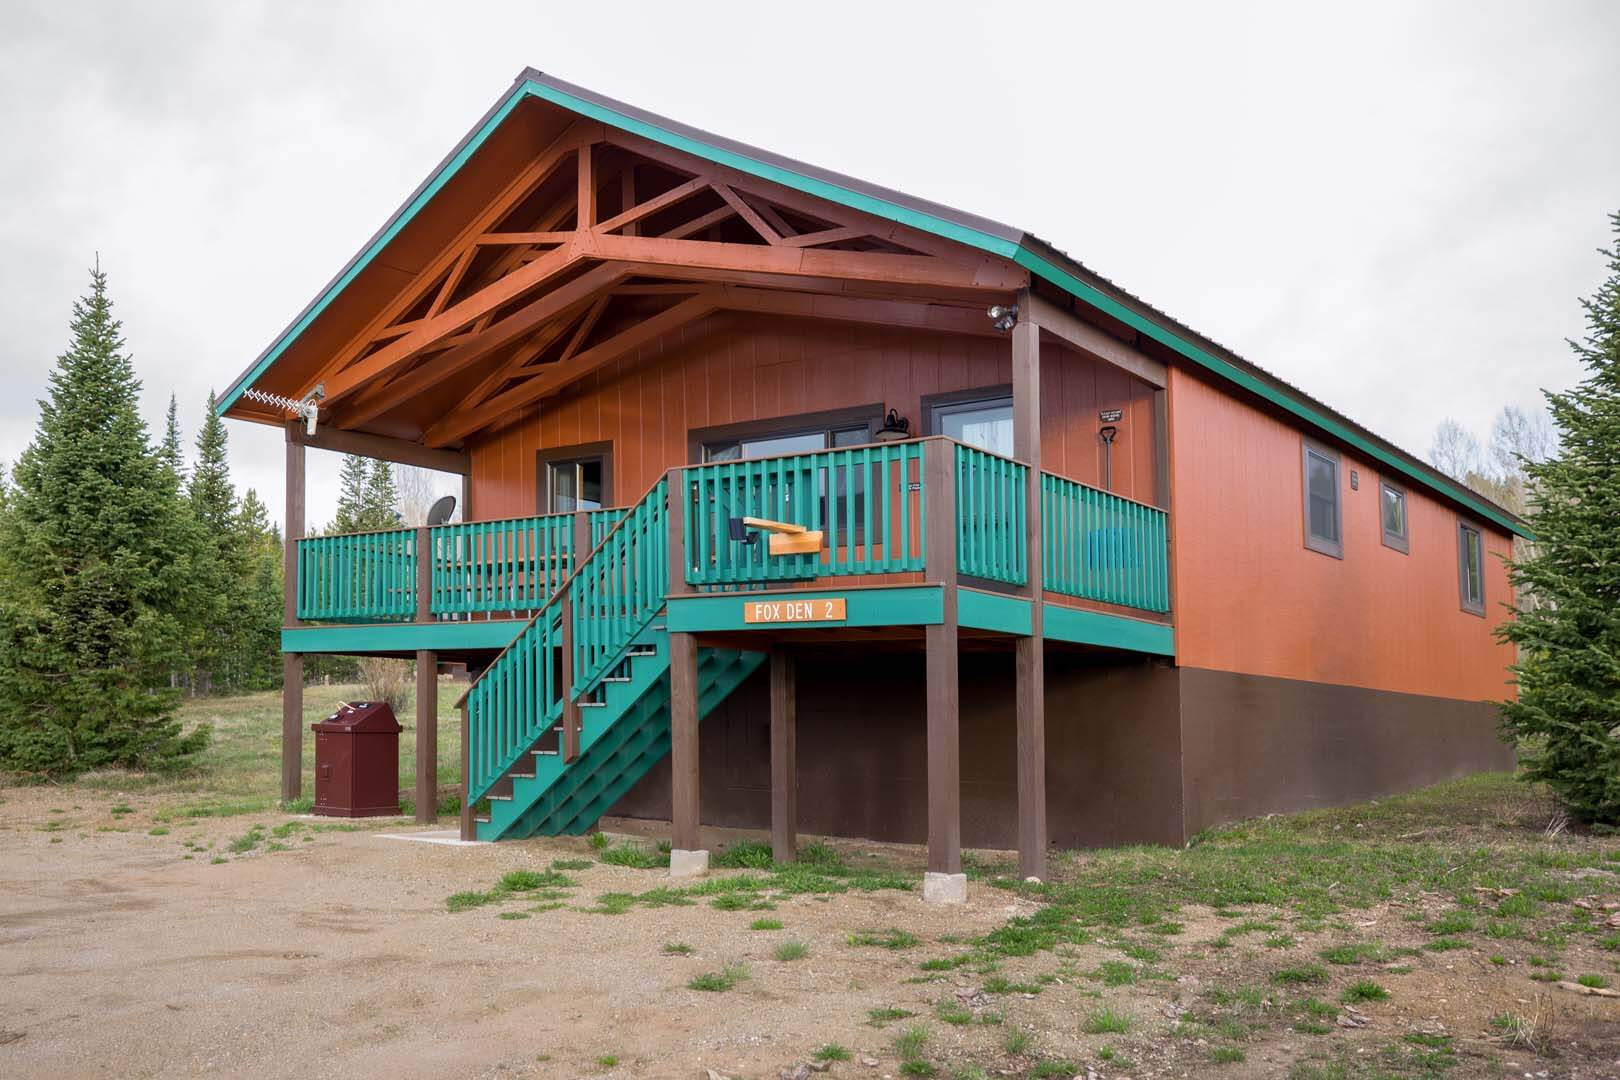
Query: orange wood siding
x,y
732,368
1250,597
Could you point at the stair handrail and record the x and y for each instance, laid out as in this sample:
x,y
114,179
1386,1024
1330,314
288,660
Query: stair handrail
x,y
567,585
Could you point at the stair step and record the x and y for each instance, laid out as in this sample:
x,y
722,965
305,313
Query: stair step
x,y
502,798
642,651
593,704
482,819
615,678
543,753
521,775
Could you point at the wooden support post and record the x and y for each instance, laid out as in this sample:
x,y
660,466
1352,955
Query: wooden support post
x,y
427,689
292,664
427,736
1029,652
944,738
784,757
683,739
686,857
571,720
469,828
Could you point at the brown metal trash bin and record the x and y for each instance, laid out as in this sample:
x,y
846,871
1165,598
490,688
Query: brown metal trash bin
x,y
357,761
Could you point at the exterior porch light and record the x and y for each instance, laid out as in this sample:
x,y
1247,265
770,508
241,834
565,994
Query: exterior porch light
x,y
1003,316
895,428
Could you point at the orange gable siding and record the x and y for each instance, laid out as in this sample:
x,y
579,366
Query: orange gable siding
x,y
732,368
1250,597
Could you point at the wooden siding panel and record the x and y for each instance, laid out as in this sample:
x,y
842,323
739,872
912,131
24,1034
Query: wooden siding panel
x,y
1251,598
732,368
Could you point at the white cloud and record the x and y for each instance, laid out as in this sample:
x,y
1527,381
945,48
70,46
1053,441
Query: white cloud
x,y
1393,206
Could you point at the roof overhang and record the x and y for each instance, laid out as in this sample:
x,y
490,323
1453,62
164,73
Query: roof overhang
x,y
1041,259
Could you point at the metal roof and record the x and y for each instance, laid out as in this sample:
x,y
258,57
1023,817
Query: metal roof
x,y
1041,258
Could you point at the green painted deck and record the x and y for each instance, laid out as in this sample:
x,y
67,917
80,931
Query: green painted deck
x,y
591,629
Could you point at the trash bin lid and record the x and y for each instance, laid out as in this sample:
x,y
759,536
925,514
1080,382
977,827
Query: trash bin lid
x,y
361,718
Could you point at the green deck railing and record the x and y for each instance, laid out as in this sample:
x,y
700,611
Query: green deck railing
x,y
1099,546
514,701
509,565
358,577
868,501
991,522
602,521
615,593
620,587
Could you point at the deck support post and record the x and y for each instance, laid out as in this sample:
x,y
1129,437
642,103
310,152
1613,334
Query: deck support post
x,y
1029,653
292,664
427,736
427,689
944,882
784,757
469,827
571,720
686,858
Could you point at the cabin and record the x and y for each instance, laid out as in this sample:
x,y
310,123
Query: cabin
x,y
792,502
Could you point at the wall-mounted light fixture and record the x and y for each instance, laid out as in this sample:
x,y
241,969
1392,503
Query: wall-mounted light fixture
x,y
1107,434
1003,316
895,427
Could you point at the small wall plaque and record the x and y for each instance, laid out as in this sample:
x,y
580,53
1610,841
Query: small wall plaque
x,y
1111,416
795,611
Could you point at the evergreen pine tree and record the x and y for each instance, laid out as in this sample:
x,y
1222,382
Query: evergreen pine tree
x,y
258,633
381,506
94,573
213,499
1567,716
351,496
171,452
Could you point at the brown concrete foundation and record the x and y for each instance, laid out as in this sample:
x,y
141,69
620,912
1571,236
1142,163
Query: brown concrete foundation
x,y
1138,752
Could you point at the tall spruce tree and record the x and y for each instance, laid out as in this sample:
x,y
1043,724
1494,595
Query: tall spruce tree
x,y
351,505
94,573
171,452
1567,716
381,506
219,567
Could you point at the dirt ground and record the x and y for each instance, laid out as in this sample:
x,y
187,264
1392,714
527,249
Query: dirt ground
x,y
325,952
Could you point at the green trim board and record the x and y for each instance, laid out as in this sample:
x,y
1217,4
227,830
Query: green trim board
x,y
902,605
996,612
1113,631
1017,250
401,637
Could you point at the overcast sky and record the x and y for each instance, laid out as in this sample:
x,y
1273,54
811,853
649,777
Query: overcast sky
x,y
1394,207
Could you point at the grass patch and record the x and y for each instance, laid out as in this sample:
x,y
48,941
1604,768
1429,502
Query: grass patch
x,y
1355,953
718,982
1226,1055
1363,990
633,857
1596,982
952,1013
1106,1021
765,924
884,939
1016,1041
881,1016
909,1043
572,864
1302,975
158,830
678,948
745,855
527,880
1053,1067
917,1067
788,951
831,1052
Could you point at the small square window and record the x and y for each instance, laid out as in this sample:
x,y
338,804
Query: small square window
x,y
1471,568
1392,520
1323,531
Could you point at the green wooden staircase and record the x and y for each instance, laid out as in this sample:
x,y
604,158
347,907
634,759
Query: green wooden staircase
x,y
607,614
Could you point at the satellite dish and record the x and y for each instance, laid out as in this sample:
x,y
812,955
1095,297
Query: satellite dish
x,y
440,512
